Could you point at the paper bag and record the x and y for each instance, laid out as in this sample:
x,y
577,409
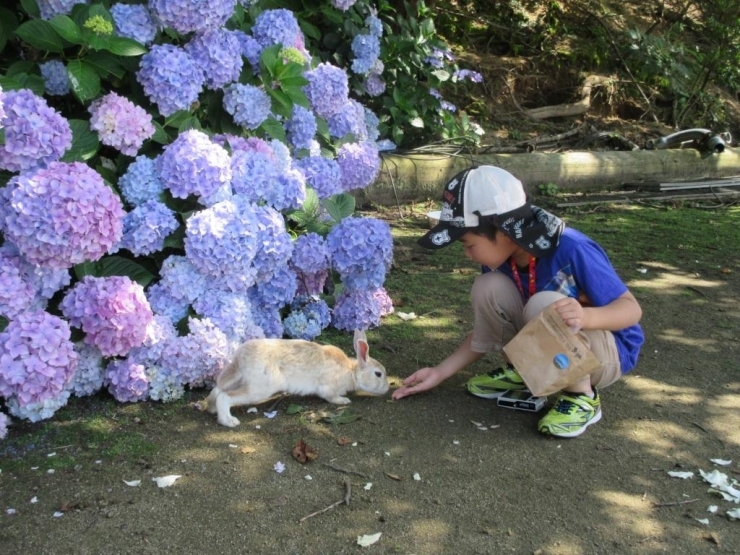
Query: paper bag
x,y
548,356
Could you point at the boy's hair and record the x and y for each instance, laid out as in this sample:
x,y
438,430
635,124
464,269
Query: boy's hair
x,y
486,227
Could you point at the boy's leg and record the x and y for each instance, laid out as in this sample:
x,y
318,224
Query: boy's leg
x,y
498,307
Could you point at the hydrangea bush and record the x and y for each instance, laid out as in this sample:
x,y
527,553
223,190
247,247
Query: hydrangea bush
x,y
176,177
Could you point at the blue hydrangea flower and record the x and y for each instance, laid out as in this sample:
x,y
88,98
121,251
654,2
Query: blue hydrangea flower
x,y
62,215
164,303
385,145
448,106
282,155
463,74
310,254
134,21
56,80
219,54
37,357
127,381
2,107
277,27
51,8
361,250
268,318
374,25
230,312
253,172
371,125
366,49
343,5
224,192
274,245
249,105
182,279
40,410
120,123
288,191
221,242
359,164
141,181
146,227
35,134
327,89
170,77
311,283
322,174
89,377
313,307
299,326
301,127
356,309
163,384
374,84
186,16
4,423
277,292
159,333
251,49
16,295
439,57
194,165
435,93
349,119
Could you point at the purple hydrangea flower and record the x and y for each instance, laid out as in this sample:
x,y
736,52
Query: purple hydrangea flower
x,y
350,118
141,181
230,312
16,295
37,358
253,172
159,333
371,125
322,174
374,84
182,279
327,89
249,105
146,227
269,319
310,254
186,16
311,283
282,155
4,423
51,8
127,381
299,325
56,80
251,49
112,311
120,123
366,49
194,165
221,242
277,292
439,57
2,107
435,93
385,301
277,27
170,77
219,53
274,245
361,250
288,191
359,164
301,127
90,374
163,384
40,410
164,303
199,356
448,106
356,309
35,134
63,215
343,5
134,21
463,74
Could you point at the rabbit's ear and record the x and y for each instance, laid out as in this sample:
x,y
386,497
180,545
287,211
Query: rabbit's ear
x,y
361,347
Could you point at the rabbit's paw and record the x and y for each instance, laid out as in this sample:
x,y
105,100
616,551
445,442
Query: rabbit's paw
x,y
339,400
229,421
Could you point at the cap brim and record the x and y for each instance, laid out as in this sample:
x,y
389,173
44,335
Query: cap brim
x,y
442,235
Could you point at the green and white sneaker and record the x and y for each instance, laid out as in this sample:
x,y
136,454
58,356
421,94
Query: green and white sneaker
x,y
495,383
571,415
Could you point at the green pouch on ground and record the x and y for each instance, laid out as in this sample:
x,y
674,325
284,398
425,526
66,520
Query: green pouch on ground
x,y
548,356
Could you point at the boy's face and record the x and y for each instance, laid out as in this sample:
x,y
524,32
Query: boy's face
x,y
491,253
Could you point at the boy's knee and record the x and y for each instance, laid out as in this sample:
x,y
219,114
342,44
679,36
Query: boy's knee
x,y
539,301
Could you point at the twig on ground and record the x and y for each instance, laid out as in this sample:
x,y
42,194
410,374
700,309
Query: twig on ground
x,y
344,501
360,474
674,503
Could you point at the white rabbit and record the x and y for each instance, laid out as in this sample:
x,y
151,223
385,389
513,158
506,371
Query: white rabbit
x,y
263,367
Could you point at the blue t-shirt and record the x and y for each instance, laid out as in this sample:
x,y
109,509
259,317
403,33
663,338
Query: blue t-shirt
x,y
580,268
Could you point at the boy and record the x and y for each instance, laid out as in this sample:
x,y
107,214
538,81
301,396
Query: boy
x,y
536,262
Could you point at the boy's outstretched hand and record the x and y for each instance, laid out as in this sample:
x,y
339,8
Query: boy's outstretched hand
x,y
421,380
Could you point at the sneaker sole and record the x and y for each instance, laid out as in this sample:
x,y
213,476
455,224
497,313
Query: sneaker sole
x,y
576,433
495,395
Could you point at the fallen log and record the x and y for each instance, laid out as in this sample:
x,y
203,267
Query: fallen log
x,y
416,177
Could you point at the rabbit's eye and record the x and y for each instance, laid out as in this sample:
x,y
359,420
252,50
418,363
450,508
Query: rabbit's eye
x,y
378,373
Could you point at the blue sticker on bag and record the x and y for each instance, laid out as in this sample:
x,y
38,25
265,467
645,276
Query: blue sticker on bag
x,y
561,361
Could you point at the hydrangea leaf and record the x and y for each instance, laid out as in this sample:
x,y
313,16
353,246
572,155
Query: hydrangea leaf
x,y
24,81
274,129
126,47
8,23
160,135
340,206
281,103
67,29
40,34
117,266
31,8
84,80
85,143
19,68
106,64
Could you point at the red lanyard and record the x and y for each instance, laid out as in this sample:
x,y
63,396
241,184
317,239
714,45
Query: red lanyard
x,y
532,276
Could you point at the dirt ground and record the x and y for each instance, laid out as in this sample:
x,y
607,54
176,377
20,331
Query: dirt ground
x,y
438,473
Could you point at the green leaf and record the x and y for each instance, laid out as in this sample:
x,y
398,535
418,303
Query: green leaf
x,y
67,29
416,122
343,416
24,81
3,323
106,64
84,269
85,142
190,123
281,103
176,239
269,60
126,47
295,409
119,266
273,128
8,24
84,80
340,206
40,34
31,8
21,67
176,119
96,42
441,74
160,135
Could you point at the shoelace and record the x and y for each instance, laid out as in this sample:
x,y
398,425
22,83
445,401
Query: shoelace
x,y
564,406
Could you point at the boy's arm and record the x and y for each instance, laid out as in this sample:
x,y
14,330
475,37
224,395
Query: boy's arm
x,y
622,312
427,378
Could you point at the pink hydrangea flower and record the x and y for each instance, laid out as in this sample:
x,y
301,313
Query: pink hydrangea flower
x,y
120,123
